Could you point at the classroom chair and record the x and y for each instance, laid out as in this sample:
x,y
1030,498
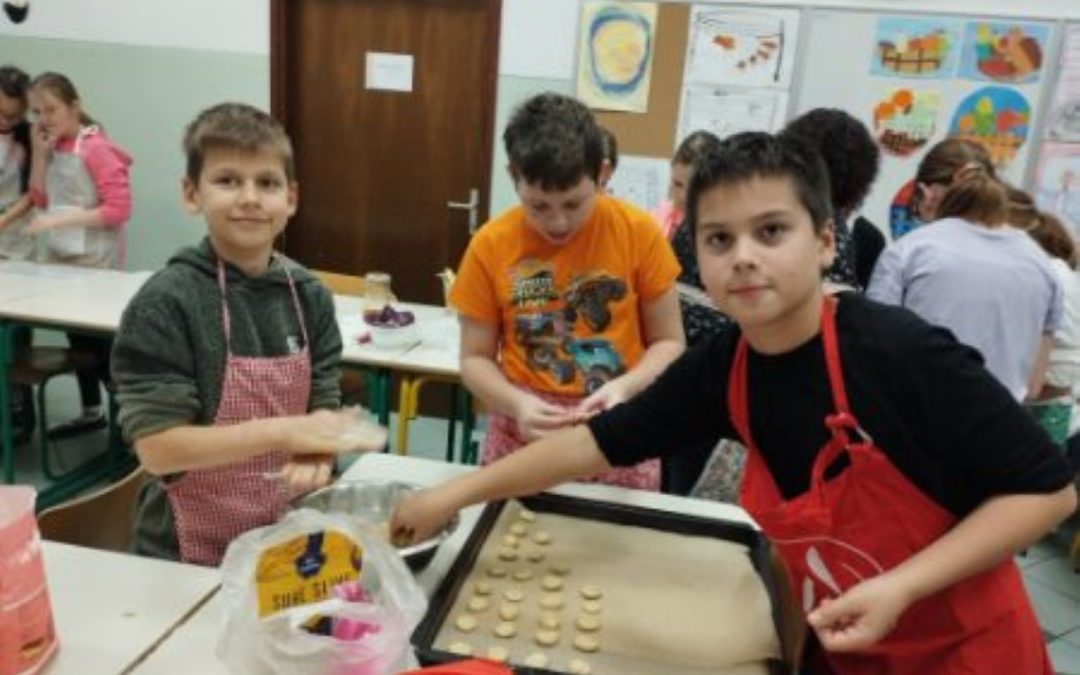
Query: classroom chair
x,y
102,519
353,383
35,367
463,406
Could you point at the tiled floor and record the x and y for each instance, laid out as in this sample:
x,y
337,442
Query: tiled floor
x,y
1053,586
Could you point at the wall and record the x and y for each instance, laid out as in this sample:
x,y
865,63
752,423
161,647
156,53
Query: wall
x,y
144,68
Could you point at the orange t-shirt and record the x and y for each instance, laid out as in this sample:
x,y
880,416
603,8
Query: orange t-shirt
x,y
569,315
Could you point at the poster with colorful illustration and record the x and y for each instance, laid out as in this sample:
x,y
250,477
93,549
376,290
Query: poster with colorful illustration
x,y
1057,185
906,47
906,119
902,218
1003,52
998,118
752,48
615,49
1063,123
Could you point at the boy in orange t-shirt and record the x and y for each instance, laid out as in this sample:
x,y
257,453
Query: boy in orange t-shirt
x,y
567,301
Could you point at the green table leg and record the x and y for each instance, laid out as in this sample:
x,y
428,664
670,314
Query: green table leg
x,y
455,396
468,421
6,435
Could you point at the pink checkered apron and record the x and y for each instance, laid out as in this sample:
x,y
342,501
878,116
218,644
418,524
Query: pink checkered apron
x,y
213,506
503,438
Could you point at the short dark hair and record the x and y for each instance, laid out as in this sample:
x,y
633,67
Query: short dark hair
x,y
756,154
609,147
553,141
694,146
235,126
850,153
14,82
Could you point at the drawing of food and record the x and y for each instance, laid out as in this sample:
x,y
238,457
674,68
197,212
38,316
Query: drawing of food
x,y
1007,54
998,118
619,50
906,119
921,54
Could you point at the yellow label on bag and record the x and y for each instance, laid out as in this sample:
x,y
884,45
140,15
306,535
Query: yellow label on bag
x,y
305,570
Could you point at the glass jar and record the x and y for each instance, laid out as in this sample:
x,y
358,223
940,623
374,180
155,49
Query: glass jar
x,y
377,292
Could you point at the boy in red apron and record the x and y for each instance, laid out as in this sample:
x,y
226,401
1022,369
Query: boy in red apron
x,y
895,475
226,361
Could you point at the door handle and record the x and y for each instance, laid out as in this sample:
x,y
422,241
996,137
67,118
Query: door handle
x,y
472,206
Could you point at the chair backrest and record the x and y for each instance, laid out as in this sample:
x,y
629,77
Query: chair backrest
x,y
103,519
341,284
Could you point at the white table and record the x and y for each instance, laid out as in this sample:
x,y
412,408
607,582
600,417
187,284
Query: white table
x,y
110,609
190,648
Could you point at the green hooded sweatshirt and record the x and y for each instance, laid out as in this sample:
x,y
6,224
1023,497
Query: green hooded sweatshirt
x,y
169,355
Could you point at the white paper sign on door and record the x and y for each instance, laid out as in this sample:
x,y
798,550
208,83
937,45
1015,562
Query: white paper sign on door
x,y
388,72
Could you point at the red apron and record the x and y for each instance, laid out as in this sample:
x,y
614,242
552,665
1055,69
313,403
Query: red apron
x,y
869,519
213,506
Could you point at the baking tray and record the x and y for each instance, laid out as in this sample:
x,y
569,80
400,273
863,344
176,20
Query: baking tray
x,y
441,603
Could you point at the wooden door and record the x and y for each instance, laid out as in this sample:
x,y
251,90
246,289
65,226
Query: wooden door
x,y
376,167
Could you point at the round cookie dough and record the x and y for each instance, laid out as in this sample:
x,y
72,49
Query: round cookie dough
x,y
478,604
560,568
514,594
509,611
588,623
591,606
550,621
496,572
519,529
499,653
541,537
483,588
510,541
466,623
552,582
591,592
505,629
527,515
534,555
552,601
536,660
547,638
462,648
586,643
507,554
578,667
523,574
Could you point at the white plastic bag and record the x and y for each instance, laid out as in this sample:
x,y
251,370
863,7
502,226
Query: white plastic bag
x,y
277,579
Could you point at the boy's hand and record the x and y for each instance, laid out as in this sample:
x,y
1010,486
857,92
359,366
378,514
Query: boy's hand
x,y
303,473
606,397
420,516
537,418
326,432
859,618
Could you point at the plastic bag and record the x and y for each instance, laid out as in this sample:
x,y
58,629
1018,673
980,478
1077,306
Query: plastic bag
x,y
27,634
278,585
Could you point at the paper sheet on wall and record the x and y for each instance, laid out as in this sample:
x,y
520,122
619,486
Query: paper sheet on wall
x,y
751,47
616,45
642,181
725,111
1064,120
1057,188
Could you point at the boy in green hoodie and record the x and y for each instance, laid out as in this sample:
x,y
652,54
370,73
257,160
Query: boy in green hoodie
x,y
226,362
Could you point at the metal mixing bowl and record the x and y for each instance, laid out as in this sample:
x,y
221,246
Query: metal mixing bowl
x,y
374,502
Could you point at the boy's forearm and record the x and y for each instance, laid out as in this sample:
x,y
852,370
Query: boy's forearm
x,y
190,447
554,459
991,534
17,210
80,218
486,381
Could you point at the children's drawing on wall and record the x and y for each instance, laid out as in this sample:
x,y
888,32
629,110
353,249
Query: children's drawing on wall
x,y
17,10
998,118
727,111
906,119
1064,123
1058,183
642,181
1003,52
902,218
907,47
752,48
616,54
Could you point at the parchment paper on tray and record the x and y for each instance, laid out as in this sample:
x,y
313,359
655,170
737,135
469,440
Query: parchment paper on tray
x,y
671,603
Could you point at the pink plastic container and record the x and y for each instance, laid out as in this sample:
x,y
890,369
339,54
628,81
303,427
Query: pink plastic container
x,y
27,633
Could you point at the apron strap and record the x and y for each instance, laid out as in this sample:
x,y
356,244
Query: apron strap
x,y
226,323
